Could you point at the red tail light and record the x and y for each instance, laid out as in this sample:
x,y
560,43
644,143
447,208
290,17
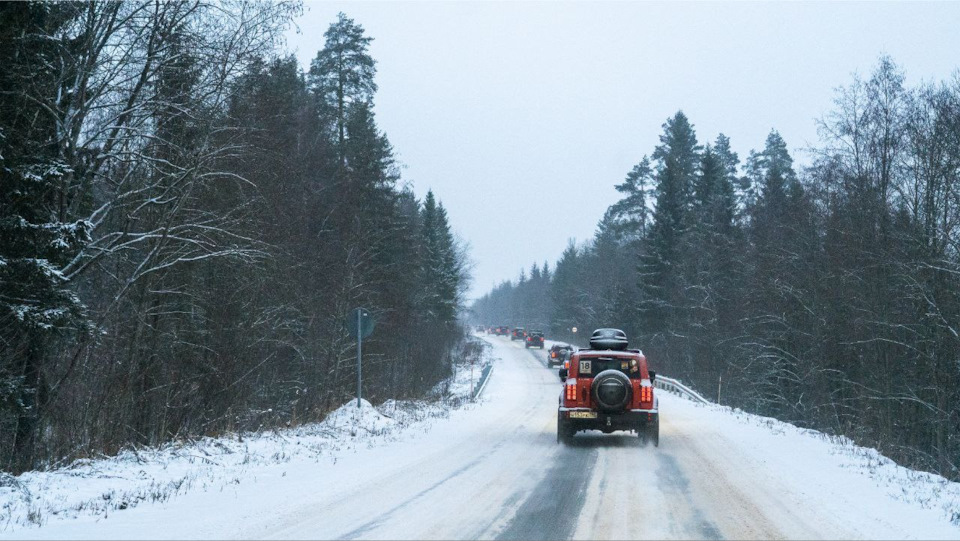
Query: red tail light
x,y
646,394
572,392
553,354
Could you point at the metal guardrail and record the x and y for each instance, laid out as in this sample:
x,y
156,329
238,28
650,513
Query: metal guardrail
x,y
484,377
670,384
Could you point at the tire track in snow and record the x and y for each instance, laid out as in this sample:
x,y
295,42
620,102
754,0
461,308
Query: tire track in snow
x,y
551,511
390,513
676,487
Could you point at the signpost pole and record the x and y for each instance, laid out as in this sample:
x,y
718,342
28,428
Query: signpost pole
x,y
359,355
363,327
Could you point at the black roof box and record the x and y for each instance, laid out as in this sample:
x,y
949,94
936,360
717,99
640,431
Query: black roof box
x,y
614,339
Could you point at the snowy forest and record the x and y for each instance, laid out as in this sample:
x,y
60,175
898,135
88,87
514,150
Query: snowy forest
x,y
186,218
827,296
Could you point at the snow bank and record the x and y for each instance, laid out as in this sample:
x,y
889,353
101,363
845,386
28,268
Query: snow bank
x,y
821,462
146,475
366,418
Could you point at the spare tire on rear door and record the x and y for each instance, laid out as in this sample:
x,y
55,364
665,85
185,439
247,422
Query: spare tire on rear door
x,y
611,390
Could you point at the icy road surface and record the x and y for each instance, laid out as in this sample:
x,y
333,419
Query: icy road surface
x,y
496,471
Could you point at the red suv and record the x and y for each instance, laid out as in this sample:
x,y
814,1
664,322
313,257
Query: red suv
x,y
608,387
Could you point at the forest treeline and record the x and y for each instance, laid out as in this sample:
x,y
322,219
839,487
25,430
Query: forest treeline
x,y
828,297
186,218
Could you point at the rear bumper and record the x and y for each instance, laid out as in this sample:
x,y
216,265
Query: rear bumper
x,y
633,420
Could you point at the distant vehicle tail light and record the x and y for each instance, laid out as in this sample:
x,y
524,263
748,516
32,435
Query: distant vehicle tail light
x,y
553,354
566,364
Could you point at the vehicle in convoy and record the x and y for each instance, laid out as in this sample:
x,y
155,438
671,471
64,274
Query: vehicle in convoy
x,y
518,333
534,340
503,330
559,353
481,328
608,387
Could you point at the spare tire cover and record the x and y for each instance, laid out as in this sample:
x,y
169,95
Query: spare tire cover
x,y
611,390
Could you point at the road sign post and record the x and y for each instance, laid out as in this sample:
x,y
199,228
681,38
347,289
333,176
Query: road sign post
x,y
360,323
359,356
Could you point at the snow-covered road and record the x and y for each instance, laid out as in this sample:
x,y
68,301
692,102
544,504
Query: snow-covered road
x,y
496,471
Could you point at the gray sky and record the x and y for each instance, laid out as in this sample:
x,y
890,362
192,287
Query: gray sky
x,y
523,116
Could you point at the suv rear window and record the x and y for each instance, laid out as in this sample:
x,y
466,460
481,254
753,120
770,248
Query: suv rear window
x,y
591,366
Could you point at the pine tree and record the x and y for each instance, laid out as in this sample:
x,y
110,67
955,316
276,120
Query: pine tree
x,y
630,215
343,73
38,236
368,152
778,184
709,265
731,163
564,293
442,268
677,159
781,288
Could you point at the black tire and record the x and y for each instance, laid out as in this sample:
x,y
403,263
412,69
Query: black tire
x,y
653,431
564,434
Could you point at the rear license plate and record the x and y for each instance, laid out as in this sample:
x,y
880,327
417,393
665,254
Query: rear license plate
x,y
583,415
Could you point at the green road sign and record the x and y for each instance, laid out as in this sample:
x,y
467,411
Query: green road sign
x,y
364,322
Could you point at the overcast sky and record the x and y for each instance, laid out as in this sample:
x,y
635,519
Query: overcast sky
x,y
523,116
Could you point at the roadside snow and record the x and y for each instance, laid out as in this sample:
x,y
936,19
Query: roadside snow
x,y
156,475
832,473
451,468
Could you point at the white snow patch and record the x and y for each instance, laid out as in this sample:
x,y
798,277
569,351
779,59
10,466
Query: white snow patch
x,y
97,488
841,476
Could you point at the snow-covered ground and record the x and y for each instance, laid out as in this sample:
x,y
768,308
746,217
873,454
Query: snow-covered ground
x,y
493,469
98,489
847,481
